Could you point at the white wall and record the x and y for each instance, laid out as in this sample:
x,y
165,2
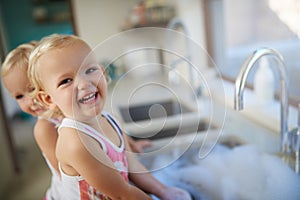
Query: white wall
x,y
97,20
190,11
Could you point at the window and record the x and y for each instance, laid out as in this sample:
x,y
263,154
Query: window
x,y
236,28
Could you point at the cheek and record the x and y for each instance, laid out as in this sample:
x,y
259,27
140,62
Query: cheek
x,y
103,86
64,101
25,107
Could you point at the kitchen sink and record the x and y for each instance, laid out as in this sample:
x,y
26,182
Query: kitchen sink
x,y
152,110
232,169
171,164
172,131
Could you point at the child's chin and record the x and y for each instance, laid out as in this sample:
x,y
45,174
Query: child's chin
x,y
35,114
86,115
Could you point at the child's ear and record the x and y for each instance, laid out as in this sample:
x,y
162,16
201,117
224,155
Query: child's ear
x,y
45,99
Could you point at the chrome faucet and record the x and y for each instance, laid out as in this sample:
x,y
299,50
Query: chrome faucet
x,y
285,145
173,25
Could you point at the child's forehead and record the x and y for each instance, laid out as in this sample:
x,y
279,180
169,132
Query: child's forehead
x,y
16,80
75,48
70,51
67,60
19,69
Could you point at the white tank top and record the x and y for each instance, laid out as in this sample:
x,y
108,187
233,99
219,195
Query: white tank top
x,y
75,187
54,191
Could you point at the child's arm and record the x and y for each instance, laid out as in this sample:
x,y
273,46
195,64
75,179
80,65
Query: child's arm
x,y
45,134
80,154
139,145
140,176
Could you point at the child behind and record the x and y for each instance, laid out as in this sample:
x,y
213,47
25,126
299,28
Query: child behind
x,y
14,75
94,156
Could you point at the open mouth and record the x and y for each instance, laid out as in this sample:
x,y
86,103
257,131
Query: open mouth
x,y
88,98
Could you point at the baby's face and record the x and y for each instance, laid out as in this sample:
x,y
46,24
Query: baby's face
x,y
17,84
75,81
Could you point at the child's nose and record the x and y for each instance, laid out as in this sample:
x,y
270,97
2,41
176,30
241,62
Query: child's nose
x,y
29,102
83,82
34,104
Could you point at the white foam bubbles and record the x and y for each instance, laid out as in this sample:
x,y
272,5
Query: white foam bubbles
x,y
239,173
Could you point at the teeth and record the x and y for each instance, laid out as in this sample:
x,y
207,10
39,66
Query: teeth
x,y
88,98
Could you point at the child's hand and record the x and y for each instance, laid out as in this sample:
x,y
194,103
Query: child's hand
x,y
138,146
174,193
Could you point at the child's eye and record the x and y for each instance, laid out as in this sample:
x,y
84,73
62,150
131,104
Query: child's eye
x,y
90,70
31,89
20,96
65,81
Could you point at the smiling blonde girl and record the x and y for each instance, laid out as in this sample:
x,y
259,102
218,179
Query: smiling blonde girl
x,y
94,156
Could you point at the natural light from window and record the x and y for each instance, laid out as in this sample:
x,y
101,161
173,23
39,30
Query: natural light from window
x,y
252,24
289,12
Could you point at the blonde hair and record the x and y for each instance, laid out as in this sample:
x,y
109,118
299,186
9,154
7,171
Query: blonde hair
x,y
18,57
51,42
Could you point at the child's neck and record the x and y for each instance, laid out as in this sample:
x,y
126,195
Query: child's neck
x,y
94,121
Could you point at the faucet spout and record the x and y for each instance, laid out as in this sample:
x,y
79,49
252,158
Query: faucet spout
x,y
240,85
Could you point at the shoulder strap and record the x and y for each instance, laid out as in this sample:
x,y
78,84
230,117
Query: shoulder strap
x,y
116,126
70,123
52,120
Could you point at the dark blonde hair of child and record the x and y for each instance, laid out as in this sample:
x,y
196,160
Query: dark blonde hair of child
x,y
18,58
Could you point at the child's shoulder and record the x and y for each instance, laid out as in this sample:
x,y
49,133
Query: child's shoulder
x,y
68,130
44,131
43,125
72,143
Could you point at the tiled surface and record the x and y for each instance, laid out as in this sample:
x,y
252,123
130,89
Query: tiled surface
x,y
34,178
